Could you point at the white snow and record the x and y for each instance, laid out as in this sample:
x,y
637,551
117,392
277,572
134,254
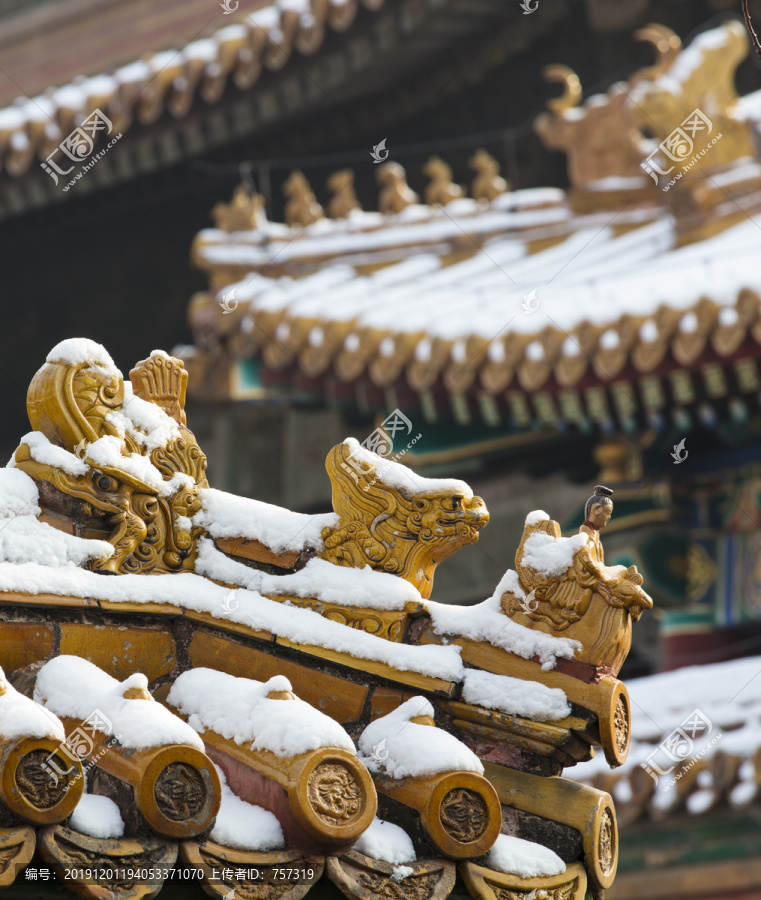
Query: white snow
x,y
109,451
400,748
73,687
486,622
18,494
514,856
21,717
319,579
403,479
49,454
399,873
74,351
145,422
717,707
386,842
549,555
229,516
243,826
97,816
190,591
24,539
513,696
537,516
239,710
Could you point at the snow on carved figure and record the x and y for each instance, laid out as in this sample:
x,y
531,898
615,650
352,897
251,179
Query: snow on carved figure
x,y
575,593
395,520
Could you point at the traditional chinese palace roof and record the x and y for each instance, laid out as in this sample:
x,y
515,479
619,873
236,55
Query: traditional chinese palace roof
x,y
603,305
688,794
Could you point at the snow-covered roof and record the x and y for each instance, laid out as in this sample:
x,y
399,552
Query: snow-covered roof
x,y
598,303
171,79
696,733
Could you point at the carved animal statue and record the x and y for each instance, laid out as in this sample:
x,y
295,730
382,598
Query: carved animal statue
x,y
301,208
404,531
138,495
581,597
245,212
708,87
395,194
441,190
601,139
488,183
343,200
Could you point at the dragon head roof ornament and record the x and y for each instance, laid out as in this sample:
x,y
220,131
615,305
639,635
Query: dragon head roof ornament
x,y
341,604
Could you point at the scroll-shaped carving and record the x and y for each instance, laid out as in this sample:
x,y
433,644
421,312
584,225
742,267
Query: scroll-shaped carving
x,y
362,878
571,592
689,112
138,469
601,139
404,531
94,867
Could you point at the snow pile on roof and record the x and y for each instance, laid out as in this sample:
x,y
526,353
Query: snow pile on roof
x,y
514,856
513,696
74,687
403,479
683,719
97,816
109,452
144,422
42,451
386,842
21,717
486,622
18,494
194,592
24,539
239,710
319,579
399,747
76,351
243,826
549,555
225,515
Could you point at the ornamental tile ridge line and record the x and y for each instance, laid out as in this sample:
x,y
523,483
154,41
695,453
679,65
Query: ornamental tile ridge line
x,y
171,79
657,344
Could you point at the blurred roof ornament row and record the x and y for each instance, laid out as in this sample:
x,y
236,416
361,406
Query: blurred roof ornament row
x,y
171,80
639,281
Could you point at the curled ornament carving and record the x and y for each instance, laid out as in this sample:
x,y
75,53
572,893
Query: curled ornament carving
x,y
464,815
334,793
